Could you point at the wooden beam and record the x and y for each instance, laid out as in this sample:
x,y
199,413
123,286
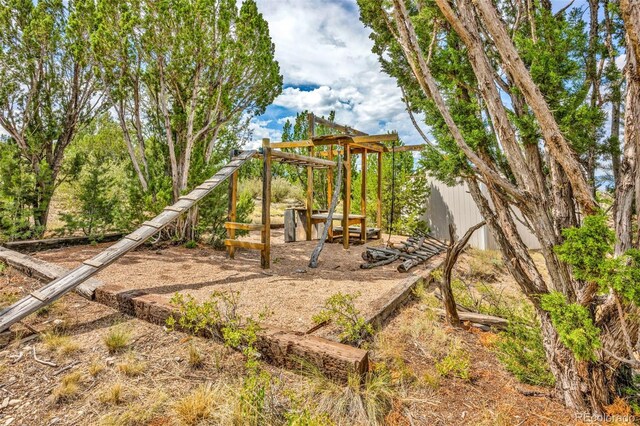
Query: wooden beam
x,y
379,194
243,226
363,196
405,148
346,204
311,134
244,244
265,254
330,193
369,146
313,161
293,144
339,127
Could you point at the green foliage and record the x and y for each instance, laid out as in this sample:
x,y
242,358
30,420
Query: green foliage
x,y
574,325
622,274
521,351
17,195
341,310
191,244
43,50
217,317
456,363
586,247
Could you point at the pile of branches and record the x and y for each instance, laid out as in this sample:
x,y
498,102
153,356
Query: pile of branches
x,y
414,251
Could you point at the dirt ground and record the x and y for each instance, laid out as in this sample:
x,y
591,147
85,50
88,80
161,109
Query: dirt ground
x,y
290,292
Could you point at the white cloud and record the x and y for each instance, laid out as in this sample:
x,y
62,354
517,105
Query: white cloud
x,y
324,45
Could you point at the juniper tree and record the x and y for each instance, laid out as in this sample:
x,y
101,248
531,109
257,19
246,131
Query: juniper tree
x,y
47,87
515,103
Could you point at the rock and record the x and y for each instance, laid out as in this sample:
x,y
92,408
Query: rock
x,y
9,421
54,421
14,402
5,403
178,359
57,322
301,271
109,361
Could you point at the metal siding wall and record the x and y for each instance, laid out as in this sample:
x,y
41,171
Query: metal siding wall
x,y
453,204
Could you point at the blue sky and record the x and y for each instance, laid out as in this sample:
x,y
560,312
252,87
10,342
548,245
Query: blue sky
x,y
325,57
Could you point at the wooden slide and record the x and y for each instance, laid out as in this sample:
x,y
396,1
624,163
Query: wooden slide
x,y
67,282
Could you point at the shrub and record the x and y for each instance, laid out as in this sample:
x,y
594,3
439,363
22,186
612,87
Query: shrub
x,y
520,349
112,395
199,405
341,310
456,363
195,357
116,340
191,244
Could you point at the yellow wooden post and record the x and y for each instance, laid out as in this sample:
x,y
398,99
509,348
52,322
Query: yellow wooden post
x,y
363,196
330,192
233,198
379,200
310,130
265,254
346,205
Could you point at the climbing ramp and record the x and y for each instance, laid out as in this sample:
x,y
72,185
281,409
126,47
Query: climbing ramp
x,y
67,282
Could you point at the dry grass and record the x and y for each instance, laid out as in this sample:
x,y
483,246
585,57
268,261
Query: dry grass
x,y
60,344
117,339
114,394
131,366
8,298
203,404
95,368
356,403
69,387
141,413
195,358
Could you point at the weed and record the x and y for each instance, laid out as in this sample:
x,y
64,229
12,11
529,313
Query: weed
x,y
95,368
113,395
131,366
195,357
456,363
191,244
3,267
340,309
117,339
60,344
68,388
200,404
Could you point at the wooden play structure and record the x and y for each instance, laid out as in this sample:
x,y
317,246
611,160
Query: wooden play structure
x,y
347,143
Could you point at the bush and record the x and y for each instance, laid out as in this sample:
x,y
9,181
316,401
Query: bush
x,y
341,310
520,349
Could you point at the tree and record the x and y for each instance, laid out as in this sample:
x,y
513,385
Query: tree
x,y
47,87
508,92
180,71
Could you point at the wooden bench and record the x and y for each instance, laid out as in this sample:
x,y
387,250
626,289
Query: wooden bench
x,y
354,219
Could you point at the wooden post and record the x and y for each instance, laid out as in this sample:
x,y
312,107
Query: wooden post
x,y
311,132
363,196
330,192
379,200
233,201
309,196
265,254
346,205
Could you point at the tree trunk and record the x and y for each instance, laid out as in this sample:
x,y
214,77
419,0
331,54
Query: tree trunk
x,y
453,252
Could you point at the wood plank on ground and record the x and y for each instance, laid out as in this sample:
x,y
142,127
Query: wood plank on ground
x,y
45,271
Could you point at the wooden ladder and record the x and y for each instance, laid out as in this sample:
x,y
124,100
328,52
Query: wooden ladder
x,y
55,289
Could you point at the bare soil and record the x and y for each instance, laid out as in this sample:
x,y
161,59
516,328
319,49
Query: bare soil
x,y
290,292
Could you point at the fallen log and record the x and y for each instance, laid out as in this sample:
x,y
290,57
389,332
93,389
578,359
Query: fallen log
x,y
474,317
